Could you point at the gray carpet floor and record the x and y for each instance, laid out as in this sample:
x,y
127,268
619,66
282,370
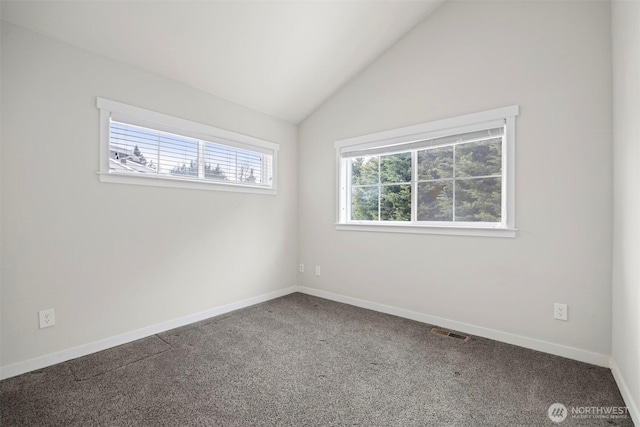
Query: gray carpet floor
x,y
306,361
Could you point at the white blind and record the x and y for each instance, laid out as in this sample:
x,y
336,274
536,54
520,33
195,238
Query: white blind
x,y
441,138
138,150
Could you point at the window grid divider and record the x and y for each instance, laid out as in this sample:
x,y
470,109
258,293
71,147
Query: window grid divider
x,y
414,186
453,186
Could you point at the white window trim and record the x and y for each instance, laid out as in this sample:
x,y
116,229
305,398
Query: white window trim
x,y
163,122
432,130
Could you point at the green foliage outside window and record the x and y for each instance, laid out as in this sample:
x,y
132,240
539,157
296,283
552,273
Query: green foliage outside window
x,y
381,188
454,183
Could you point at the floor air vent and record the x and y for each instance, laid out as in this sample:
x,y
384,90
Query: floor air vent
x,y
446,333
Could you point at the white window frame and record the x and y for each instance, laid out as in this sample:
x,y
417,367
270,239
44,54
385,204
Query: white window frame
x,y
162,122
384,142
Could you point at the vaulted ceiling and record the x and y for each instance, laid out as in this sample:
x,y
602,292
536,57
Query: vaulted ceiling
x,y
283,58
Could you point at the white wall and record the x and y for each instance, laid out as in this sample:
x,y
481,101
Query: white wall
x,y
112,258
0,182
625,22
554,60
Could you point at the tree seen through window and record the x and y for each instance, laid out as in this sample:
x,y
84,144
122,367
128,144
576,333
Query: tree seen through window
x,y
455,183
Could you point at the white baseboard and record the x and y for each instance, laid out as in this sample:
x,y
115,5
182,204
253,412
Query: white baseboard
x,y
531,343
85,349
519,340
634,412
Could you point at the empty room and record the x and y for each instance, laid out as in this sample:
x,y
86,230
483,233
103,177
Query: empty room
x,y
320,213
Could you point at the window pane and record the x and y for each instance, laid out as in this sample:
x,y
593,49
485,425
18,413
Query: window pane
x,y
479,200
248,166
435,201
395,168
219,162
479,158
132,149
267,169
364,170
364,203
395,202
435,163
178,155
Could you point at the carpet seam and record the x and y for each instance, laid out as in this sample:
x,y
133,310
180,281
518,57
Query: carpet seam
x,y
170,347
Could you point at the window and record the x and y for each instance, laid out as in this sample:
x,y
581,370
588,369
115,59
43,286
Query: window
x,y
452,176
144,147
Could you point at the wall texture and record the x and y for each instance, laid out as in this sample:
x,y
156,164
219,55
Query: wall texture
x,y
112,258
469,57
625,350
0,183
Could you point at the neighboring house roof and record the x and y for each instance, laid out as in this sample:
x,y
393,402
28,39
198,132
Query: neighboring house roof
x,y
115,148
131,166
122,159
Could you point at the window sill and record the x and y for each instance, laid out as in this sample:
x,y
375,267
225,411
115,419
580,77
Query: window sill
x,y
421,229
182,183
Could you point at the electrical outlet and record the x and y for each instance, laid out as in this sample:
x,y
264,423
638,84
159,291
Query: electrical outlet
x,y
47,318
317,270
301,268
560,311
